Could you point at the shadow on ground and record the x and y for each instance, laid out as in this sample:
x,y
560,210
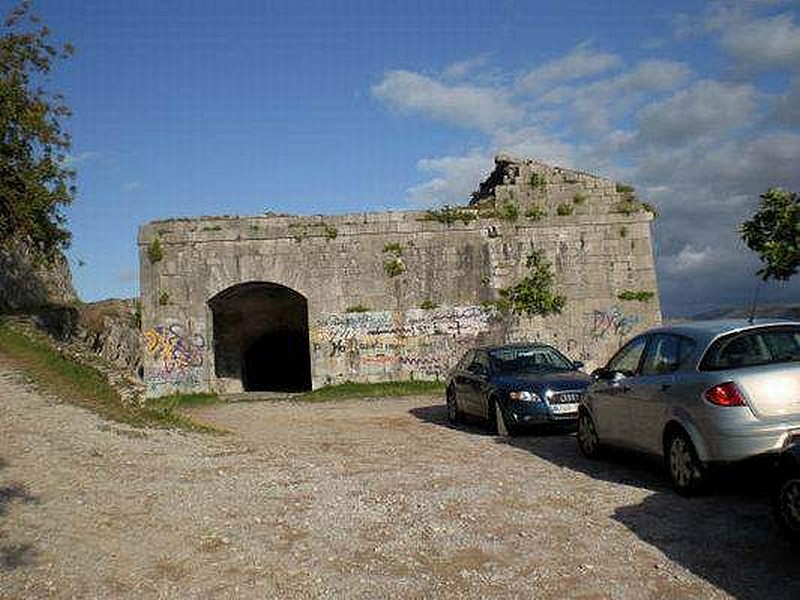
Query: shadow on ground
x,y
726,536
14,555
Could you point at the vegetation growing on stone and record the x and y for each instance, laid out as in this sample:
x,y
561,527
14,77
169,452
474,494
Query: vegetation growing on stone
x,y
395,248
357,308
508,211
35,179
623,232
155,252
394,267
331,233
580,197
624,188
538,181
163,299
534,294
564,210
428,304
535,212
450,214
774,233
637,295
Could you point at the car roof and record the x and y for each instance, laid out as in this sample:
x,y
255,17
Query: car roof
x,y
514,345
710,330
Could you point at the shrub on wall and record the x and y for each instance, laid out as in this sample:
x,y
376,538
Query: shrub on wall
x,y
155,252
533,295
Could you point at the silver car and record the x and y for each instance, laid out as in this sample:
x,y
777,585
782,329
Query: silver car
x,y
698,394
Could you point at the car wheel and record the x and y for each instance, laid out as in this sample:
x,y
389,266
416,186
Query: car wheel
x,y
497,420
453,414
787,507
685,470
588,441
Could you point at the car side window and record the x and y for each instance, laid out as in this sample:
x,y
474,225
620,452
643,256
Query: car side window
x,y
666,354
480,365
626,361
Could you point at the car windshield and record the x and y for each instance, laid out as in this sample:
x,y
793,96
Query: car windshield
x,y
751,348
523,359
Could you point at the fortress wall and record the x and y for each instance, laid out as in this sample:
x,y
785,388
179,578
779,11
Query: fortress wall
x,y
339,262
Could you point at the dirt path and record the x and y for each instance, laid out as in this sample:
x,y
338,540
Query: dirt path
x,y
357,499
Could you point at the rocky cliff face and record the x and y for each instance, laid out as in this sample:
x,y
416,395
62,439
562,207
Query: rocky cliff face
x,y
26,283
111,329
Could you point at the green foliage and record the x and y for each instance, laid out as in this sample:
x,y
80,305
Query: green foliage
x,y
630,205
580,197
564,210
331,233
395,248
508,211
774,233
638,295
299,231
137,314
357,308
428,304
538,181
35,179
648,207
155,252
535,212
449,215
624,188
163,298
214,228
623,232
386,389
533,295
394,267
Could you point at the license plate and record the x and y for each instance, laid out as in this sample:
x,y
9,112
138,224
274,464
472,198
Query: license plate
x,y
560,409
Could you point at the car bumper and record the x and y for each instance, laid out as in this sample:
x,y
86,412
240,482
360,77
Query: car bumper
x,y
537,413
736,445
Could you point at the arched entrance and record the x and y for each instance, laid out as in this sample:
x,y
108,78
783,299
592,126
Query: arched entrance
x,y
261,337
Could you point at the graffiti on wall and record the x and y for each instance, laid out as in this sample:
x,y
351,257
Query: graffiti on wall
x,y
612,320
426,342
177,356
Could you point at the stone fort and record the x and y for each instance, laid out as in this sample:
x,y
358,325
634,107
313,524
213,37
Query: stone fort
x,y
291,303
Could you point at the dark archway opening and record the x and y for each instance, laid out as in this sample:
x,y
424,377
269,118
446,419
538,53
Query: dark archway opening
x,y
261,337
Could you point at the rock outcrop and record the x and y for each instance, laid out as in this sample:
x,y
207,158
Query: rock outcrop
x,y
27,283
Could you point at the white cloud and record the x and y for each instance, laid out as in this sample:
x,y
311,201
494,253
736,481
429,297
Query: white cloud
x,y
768,43
708,108
131,186
482,108
455,177
581,62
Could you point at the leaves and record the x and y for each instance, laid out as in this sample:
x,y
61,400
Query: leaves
x,y
35,180
533,295
774,233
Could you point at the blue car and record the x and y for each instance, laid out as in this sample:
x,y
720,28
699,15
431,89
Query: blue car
x,y
514,386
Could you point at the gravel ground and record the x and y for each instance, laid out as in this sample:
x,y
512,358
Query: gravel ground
x,y
355,499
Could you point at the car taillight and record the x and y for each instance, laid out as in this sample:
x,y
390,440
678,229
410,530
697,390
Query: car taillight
x,y
725,394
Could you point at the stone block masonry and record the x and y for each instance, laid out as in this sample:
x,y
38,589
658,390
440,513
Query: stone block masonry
x,y
278,302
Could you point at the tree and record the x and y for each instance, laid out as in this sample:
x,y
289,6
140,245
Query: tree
x,y
35,181
774,233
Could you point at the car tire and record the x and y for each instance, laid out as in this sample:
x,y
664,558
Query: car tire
x,y
498,423
786,507
588,440
454,415
686,472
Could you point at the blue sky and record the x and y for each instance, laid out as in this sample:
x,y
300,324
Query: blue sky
x,y
193,107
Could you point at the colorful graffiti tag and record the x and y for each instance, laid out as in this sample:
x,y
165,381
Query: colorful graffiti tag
x,y
174,348
612,320
421,341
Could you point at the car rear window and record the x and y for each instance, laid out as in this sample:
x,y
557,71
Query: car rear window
x,y
753,347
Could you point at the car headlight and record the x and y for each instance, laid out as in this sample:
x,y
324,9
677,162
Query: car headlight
x,y
524,396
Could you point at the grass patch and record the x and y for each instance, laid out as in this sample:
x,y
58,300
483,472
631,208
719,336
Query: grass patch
x,y
81,385
385,389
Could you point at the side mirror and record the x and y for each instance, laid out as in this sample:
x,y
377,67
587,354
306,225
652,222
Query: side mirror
x,y
600,373
578,365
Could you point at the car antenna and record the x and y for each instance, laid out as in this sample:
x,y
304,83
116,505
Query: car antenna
x,y
751,317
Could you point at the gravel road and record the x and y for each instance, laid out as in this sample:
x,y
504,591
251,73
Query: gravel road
x,y
355,499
